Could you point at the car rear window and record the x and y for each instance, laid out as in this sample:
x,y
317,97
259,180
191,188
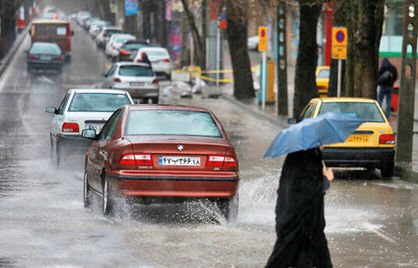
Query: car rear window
x,y
324,73
133,70
45,48
132,46
97,102
169,122
367,111
52,29
110,32
157,53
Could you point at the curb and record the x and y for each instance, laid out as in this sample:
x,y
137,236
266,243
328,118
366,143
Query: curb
x,y
10,54
405,173
280,120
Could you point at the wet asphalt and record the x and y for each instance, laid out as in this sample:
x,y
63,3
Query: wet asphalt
x,y
370,222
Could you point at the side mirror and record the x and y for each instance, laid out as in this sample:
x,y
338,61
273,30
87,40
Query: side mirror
x,y
104,75
89,134
51,110
72,33
292,121
26,51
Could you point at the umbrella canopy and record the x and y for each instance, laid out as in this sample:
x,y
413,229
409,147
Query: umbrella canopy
x,y
325,129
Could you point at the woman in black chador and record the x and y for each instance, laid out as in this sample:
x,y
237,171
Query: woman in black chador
x,y
300,221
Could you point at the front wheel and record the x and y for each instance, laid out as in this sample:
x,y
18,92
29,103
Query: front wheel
x,y
107,205
58,153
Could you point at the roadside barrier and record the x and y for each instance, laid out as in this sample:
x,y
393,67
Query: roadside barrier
x,y
186,73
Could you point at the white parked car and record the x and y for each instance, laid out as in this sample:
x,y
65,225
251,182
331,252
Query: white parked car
x,y
104,35
96,27
137,78
82,109
115,42
160,60
81,16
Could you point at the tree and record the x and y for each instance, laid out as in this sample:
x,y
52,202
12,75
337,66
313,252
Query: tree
x,y
198,41
364,33
237,20
305,83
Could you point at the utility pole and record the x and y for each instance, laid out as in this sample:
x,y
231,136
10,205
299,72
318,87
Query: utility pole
x,y
407,88
281,59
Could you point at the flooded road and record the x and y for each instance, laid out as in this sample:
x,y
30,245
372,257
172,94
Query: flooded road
x,y
370,223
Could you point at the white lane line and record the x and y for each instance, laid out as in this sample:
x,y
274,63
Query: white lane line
x,y
46,79
375,229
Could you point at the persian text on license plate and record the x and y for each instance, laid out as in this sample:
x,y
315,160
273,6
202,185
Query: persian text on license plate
x,y
358,138
178,161
96,127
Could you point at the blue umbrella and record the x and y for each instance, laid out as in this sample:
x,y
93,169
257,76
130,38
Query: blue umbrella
x,y
325,129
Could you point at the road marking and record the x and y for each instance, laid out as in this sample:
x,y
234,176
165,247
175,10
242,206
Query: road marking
x,y
46,79
375,229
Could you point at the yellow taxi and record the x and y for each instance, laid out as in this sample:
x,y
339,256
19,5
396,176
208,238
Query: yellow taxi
x,y
322,80
372,145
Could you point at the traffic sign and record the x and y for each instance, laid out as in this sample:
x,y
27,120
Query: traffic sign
x,y
262,38
339,43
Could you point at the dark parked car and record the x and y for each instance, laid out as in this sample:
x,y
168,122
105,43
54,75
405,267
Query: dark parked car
x,y
42,55
159,153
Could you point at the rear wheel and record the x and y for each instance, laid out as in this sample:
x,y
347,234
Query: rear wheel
x,y
107,202
229,208
86,191
387,170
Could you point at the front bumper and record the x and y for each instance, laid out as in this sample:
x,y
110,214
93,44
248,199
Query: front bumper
x,y
183,187
358,157
143,92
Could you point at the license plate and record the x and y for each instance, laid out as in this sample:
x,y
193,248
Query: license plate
x,y
136,84
45,57
357,138
179,161
96,127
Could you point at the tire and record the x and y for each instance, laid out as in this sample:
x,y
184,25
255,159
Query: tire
x,y
107,202
229,208
58,154
387,170
86,191
51,148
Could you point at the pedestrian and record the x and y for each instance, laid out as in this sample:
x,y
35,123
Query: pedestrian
x,y
387,77
300,221
145,59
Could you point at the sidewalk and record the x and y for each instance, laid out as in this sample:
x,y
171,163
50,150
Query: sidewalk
x,y
270,114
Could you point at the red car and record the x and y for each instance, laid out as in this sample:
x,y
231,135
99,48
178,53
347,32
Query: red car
x,y
160,153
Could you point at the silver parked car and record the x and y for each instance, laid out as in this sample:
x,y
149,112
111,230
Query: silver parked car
x,y
137,78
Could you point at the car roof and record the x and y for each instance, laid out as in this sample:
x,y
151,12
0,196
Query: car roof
x,y
150,48
97,90
168,107
119,63
50,21
345,99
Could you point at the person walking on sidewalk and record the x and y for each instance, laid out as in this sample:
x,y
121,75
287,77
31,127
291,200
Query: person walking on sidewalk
x,y
387,77
300,220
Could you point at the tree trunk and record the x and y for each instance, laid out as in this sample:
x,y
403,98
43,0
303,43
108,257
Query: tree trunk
x,y
197,38
365,31
305,83
237,20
